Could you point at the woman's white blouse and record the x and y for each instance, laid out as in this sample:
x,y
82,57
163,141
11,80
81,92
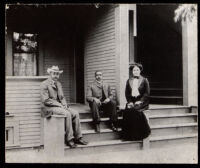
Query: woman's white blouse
x,y
135,91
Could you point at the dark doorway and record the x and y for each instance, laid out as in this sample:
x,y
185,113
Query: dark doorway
x,y
79,57
159,49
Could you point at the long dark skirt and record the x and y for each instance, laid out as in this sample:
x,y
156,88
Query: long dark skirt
x,y
135,125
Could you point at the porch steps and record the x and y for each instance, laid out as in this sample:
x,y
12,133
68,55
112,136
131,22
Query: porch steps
x,y
119,145
154,120
169,124
154,110
161,130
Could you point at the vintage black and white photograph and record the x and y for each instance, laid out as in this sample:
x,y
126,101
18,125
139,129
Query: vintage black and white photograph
x,y
101,83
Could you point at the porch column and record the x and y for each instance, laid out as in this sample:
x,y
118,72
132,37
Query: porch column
x,y
122,48
122,51
190,82
8,54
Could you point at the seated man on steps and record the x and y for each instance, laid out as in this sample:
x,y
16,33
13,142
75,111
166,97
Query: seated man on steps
x,y
53,102
100,97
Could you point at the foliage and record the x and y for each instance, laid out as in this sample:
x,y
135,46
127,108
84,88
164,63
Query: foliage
x,y
185,12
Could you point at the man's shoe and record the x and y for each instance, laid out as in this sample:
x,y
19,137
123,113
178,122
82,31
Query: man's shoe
x,y
114,128
71,144
97,129
81,141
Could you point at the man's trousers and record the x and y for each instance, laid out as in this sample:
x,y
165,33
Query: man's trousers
x,y
108,108
72,122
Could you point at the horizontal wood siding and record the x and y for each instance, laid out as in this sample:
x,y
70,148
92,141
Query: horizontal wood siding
x,y
59,51
23,101
100,47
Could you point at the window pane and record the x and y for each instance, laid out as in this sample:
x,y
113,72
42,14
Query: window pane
x,y
24,42
25,53
24,64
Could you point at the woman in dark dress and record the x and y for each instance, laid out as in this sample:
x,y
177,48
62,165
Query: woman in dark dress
x,y
135,125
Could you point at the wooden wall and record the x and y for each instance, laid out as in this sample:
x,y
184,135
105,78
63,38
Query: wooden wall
x,y
59,51
99,47
23,101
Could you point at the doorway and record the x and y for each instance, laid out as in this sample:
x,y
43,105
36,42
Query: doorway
x,y
159,49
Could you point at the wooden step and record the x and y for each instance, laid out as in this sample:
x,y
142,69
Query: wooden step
x,y
169,110
85,112
172,118
160,141
173,129
105,134
154,110
87,124
85,115
104,146
168,137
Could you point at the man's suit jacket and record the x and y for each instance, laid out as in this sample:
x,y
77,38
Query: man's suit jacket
x,y
92,91
51,96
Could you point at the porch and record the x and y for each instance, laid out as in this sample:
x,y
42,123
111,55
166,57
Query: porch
x,y
80,40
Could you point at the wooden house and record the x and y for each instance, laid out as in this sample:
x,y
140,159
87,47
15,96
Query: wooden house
x,y
81,39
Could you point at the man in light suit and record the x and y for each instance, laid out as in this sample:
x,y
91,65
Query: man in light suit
x,y
53,102
100,97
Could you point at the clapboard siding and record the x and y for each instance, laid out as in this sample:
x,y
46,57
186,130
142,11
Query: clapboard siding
x,y
23,101
61,54
99,49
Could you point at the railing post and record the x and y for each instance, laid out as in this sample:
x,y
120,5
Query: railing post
x,y
146,141
54,135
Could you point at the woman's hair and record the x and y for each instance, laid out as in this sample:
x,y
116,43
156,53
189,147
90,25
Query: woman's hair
x,y
132,66
136,65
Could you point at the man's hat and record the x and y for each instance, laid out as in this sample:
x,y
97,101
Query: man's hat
x,y
54,69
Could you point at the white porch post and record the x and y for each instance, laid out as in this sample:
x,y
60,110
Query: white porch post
x,y
8,52
190,82
122,51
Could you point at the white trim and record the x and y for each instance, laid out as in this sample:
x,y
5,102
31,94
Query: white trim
x,y
26,77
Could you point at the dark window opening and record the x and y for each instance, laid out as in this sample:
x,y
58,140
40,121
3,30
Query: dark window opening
x,y
131,37
7,135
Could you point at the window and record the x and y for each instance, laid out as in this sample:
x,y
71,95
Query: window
x,y
25,49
